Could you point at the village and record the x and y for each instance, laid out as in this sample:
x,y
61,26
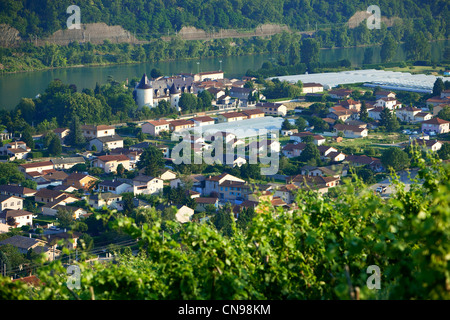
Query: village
x,y
318,139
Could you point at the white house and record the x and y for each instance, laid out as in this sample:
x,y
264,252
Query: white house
x,y
155,127
143,184
21,217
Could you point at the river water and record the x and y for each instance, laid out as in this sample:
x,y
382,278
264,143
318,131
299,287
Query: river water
x,y
28,84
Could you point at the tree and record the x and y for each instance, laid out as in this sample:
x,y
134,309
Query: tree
x,y
245,217
417,46
286,125
444,152
188,102
55,147
120,169
156,73
388,48
444,113
363,113
310,153
27,137
389,120
151,160
75,137
65,218
310,50
395,158
438,87
301,124
9,174
224,220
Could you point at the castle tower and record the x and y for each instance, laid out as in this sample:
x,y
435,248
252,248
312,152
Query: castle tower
x,y
144,93
174,96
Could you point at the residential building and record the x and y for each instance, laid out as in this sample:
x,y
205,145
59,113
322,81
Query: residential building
x,y
17,191
178,125
52,209
351,104
208,75
384,94
66,163
183,214
114,186
287,192
62,133
436,125
10,203
109,163
108,199
312,87
106,143
92,131
318,183
23,244
143,184
350,131
80,181
21,217
155,127
231,116
390,103
272,109
340,93
292,150
318,139
362,160
253,113
47,195
203,121
225,187
36,166
204,202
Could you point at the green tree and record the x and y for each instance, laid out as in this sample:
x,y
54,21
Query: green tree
x,y
55,147
151,160
10,174
301,124
388,48
363,113
438,87
75,137
310,50
444,113
395,158
27,137
310,154
224,220
65,218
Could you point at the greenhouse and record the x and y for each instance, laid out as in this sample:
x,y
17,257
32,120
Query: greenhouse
x,y
371,78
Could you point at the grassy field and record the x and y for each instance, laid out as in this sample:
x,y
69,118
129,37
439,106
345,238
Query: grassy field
x,y
417,69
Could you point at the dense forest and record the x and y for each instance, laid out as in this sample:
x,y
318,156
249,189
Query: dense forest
x,y
156,17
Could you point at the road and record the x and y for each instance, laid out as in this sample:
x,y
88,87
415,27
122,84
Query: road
x,y
404,176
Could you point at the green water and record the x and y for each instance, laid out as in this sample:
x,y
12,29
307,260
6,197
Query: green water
x,y
29,84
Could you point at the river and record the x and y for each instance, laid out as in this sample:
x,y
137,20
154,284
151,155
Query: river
x,y
28,84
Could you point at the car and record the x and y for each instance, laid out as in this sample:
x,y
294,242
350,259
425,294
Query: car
x,y
381,189
432,133
414,132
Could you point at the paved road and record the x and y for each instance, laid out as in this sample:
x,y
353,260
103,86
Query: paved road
x,y
404,177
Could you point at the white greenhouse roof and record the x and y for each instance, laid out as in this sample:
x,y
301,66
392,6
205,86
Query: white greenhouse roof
x,y
372,78
246,128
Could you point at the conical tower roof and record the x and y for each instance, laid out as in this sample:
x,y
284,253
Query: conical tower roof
x,y
144,83
174,90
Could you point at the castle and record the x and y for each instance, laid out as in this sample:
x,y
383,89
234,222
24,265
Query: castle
x,y
150,92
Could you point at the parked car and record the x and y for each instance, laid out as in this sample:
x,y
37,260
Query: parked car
x,y
381,189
